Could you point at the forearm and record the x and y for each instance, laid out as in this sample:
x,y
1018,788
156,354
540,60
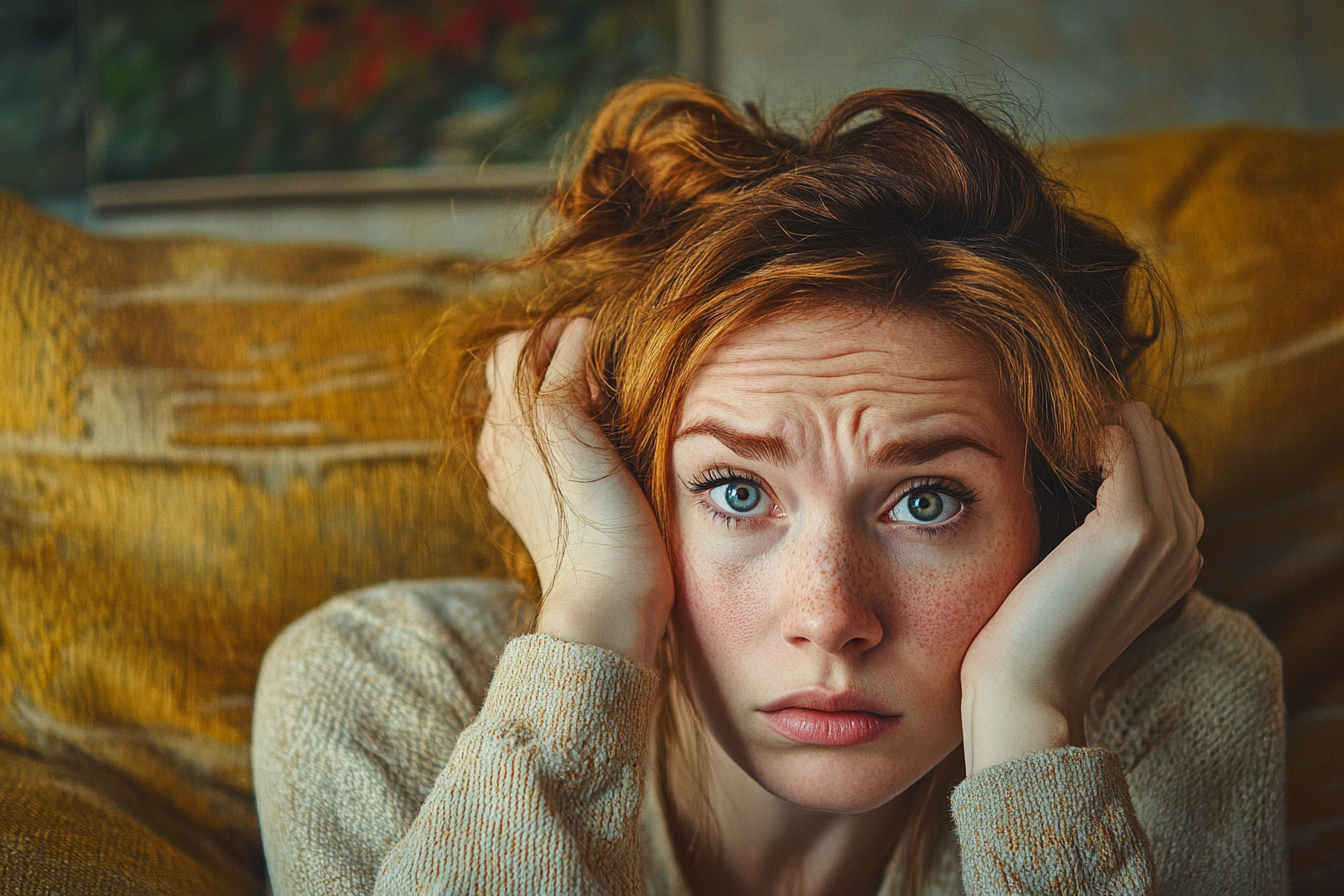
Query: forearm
x,y
1039,813
542,792
1191,782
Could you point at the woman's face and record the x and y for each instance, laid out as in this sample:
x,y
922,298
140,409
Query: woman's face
x,y
853,504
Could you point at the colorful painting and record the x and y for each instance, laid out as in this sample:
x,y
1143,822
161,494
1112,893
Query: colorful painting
x,y
187,88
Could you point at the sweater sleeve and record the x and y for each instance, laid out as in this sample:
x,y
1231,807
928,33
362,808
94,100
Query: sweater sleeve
x,y
375,745
543,789
1058,821
1198,727
1182,792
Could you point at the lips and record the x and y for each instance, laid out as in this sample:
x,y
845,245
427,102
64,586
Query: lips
x,y
821,718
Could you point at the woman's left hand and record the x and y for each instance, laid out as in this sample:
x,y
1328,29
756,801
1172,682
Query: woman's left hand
x,y
1027,677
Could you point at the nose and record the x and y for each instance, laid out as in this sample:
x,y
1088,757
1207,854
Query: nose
x,y
833,585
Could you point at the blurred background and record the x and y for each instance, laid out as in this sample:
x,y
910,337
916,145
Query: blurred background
x,y
430,125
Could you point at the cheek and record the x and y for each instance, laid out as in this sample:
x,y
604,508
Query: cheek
x,y
725,586
944,613
727,603
719,619
719,605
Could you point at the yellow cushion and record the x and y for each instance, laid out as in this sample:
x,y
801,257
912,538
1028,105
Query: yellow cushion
x,y
1248,225
81,830
199,442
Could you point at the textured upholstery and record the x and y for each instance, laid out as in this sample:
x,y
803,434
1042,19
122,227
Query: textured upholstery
x,y
199,441
1248,226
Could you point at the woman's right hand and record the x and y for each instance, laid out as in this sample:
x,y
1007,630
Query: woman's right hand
x,y
604,571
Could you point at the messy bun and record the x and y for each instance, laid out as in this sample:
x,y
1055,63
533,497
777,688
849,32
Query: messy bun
x,y
685,219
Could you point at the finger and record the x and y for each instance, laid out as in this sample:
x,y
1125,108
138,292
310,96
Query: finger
x,y
1121,492
1158,455
542,346
1181,463
1191,517
568,358
1168,494
1151,444
1138,418
502,364
1177,487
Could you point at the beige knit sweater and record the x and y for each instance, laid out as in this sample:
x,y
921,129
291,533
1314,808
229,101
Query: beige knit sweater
x,y
383,749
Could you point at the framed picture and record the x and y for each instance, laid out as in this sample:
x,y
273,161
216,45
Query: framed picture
x,y
219,100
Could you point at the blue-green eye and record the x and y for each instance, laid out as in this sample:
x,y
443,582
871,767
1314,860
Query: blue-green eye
x,y
739,497
926,507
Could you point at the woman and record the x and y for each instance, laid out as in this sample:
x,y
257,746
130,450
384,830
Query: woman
x,y
824,457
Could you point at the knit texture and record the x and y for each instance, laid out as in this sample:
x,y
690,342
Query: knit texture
x,y
362,702
1058,821
541,743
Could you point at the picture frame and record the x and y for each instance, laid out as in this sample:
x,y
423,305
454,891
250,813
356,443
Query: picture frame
x,y
322,72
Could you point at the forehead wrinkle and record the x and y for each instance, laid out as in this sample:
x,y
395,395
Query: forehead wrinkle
x,y
774,369
839,386
861,418
815,388
776,353
939,432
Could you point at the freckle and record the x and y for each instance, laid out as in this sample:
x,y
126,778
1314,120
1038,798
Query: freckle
x,y
729,603
945,618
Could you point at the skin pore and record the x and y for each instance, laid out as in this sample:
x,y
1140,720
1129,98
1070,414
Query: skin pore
x,y
853,505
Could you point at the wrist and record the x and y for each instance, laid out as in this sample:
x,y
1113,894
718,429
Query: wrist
x,y
614,625
1001,723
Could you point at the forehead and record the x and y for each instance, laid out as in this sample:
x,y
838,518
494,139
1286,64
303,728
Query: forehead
x,y
849,365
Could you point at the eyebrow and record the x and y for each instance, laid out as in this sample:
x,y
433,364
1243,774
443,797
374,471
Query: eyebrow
x,y
907,453
744,444
914,453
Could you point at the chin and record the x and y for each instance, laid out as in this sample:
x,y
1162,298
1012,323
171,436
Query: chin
x,y
827,779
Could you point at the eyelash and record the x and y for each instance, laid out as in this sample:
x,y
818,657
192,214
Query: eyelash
x,y
722,475
966,496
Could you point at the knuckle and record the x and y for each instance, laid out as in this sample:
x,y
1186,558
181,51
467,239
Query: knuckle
x,y
1143,532
1121,439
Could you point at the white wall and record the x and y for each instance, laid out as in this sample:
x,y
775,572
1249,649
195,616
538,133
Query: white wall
x,y
1090,66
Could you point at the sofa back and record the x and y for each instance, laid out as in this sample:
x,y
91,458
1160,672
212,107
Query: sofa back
x,y
201,440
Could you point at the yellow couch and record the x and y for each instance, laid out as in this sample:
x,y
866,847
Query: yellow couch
x,y
200,440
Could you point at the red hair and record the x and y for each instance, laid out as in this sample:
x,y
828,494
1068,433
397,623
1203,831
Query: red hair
x,y
686,220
